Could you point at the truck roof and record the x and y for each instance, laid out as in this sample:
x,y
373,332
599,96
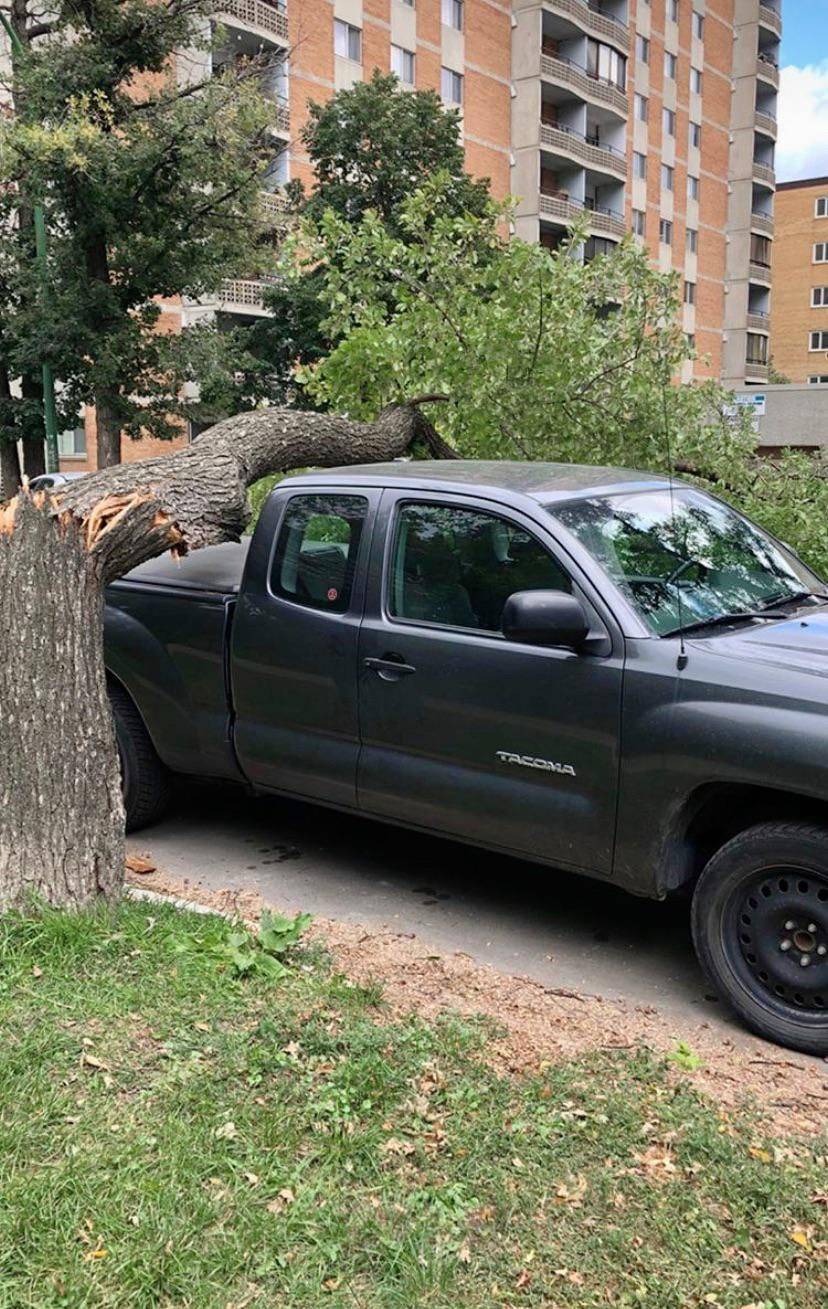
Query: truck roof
x,y
544,482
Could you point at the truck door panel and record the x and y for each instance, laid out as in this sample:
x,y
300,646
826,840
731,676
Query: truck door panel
x,y
506,744
294,644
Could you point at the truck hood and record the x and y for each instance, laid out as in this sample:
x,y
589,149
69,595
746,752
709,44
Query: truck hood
x,y
798,644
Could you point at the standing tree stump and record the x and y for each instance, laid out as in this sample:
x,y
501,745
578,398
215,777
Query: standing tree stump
x,y
62,819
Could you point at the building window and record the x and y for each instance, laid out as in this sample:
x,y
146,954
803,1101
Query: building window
x,y
819,297
347,41
402,63
642,49
665,232
639,222
690,338
451,86
689,293
692,241
452,12
667,177
760,250
639,164
821,207
669,65
695,81
821,252
698,25
640,107
692,187
606,64
673,10
72,443
819,341
820,379
668,122
695,135
757,348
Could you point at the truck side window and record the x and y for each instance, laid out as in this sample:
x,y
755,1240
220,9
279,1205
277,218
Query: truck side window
x,y
317,549
457,567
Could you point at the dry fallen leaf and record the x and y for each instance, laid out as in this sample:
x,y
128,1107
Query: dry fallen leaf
x,y
226,1132
91,1061
37,972
281,1201
801,1237
464,1254
136,864
764,1156
523,1279
394,1146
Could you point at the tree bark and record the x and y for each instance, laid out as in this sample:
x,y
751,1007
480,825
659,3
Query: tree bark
x,y
9,468
62,833
108,434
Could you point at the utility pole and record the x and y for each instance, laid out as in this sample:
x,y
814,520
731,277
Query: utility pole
x,y
39,220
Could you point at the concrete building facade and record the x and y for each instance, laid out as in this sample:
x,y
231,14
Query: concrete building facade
x,y
656,116
799,324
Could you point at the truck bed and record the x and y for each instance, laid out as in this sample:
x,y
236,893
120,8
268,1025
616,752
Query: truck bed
x,y
167,627
217,568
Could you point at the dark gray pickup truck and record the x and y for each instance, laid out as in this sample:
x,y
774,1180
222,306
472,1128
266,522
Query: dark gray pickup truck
x,y
591,668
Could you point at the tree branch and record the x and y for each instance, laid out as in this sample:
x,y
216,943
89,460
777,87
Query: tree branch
x,y
198,496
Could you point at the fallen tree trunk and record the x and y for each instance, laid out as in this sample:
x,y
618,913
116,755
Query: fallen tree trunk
x,y
61,823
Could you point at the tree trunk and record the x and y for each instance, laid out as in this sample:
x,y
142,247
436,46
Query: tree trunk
x,y
9,468
34,448
108,434
62,819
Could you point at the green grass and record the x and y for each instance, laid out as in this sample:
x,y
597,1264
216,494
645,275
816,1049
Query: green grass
x,y
172,1134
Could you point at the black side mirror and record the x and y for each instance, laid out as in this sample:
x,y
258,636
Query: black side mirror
x,y
550,618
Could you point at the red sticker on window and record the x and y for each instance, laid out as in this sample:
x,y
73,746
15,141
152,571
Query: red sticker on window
x,y
333,594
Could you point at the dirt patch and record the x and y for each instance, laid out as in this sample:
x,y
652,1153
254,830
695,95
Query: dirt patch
x,y
543,1024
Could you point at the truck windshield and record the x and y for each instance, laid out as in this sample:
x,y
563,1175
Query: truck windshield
x,y
686,559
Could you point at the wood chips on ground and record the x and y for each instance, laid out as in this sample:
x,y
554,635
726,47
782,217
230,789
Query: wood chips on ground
x,y
542,1024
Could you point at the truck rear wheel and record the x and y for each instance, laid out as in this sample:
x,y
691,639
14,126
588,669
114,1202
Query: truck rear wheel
x,y
144,779
760,928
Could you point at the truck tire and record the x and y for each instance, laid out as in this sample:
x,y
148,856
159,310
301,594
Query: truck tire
x,y
144,779
760,928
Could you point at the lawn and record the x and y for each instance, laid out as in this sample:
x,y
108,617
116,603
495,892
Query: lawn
x,y
176,1132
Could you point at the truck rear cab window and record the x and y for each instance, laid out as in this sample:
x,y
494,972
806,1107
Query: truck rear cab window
x,y
317,548
457,567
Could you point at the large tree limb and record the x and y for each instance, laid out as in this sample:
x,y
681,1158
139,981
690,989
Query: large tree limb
x,y
198,496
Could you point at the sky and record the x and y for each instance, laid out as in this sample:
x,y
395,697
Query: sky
x,y
802,148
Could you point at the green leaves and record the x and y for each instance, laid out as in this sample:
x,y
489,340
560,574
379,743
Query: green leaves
x,y
245,953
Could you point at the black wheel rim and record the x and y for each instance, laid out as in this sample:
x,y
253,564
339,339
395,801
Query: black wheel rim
x,y
776,939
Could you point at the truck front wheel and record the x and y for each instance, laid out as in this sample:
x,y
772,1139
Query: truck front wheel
x,y
760,928
144,779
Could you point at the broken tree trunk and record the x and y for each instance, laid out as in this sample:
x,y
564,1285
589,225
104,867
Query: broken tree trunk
x,y
61,817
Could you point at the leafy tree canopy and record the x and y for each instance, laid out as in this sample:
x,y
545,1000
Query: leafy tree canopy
x,y
149,170
371,147
539,356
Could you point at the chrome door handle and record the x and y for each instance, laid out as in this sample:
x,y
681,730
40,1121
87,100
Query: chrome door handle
x,y
389,668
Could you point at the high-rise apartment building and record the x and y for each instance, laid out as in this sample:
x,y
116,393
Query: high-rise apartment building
x,y
655,116
799,324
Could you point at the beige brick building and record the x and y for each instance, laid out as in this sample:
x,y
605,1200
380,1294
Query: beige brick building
x,y
651,115
799,323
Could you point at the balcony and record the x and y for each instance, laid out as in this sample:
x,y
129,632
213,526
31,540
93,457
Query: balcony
x,y
563,72
767,70
759,273
758,322
762,223
273,205
243,296
270,21
766,124
771,18
600,221
756,372
281,121
764,173
589,18
584,150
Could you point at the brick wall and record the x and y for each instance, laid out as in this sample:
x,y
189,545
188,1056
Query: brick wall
x,y
794,275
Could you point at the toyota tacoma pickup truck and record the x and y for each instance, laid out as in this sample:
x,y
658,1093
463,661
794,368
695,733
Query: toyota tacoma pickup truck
x,y
598,670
